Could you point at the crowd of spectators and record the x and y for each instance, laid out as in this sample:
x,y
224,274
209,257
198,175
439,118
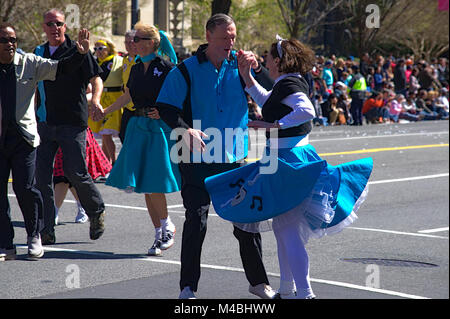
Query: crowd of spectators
x,y
377,89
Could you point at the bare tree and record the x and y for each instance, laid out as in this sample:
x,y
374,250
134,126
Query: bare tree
x,y
419,27
365,37
302,16
28,16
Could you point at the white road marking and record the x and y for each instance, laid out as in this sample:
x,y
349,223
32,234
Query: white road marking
x,y
397,232
234,269
408,179
434,230
362,137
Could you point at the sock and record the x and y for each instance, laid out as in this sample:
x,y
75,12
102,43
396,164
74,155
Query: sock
x,y
158,233
80,208
286,287
166,224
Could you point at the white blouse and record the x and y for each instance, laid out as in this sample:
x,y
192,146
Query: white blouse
x,y
303,109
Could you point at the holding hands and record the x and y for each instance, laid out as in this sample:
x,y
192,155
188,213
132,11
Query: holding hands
x,y
246,62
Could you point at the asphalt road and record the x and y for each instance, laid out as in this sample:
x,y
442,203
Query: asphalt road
x,y
397,249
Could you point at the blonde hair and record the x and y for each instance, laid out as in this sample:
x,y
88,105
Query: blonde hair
x,y
111,47
150,31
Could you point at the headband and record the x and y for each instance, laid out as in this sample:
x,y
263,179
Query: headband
x,y
279,49
103,42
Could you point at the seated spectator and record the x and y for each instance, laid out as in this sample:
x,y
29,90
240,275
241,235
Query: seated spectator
x,y
319,119
344,104
373,109
404,114
340,89
442,100
332,111
395,108
440,103
409,105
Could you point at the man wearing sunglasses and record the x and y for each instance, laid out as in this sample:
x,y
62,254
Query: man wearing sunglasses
x,y
64,125
19,75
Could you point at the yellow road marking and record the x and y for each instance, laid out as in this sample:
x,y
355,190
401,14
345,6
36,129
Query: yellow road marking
x,y
372,150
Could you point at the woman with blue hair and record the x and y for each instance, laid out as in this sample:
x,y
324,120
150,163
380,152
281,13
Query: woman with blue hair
x,y
144,164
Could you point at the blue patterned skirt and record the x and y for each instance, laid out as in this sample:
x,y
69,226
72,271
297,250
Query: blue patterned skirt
x,y
144,164
304,189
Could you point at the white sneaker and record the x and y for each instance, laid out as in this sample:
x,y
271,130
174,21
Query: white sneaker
x,y
81,217
167,239
35,249
262,290
56,219
187,293
155,250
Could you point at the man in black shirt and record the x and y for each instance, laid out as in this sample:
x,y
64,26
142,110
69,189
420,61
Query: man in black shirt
x,y
19,75
65,126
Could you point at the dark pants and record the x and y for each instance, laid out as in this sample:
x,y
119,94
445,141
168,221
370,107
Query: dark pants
x,y
356,110
18,156
72,140
196,201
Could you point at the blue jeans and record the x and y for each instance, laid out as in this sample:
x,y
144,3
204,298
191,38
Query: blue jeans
x,y
18,156
72,140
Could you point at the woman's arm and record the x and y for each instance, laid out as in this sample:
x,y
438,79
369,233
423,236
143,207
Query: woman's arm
x,y
123,100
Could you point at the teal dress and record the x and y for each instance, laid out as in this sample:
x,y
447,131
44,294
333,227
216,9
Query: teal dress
x,y
144,164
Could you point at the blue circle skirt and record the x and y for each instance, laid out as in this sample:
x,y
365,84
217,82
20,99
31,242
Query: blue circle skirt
x,y
305,188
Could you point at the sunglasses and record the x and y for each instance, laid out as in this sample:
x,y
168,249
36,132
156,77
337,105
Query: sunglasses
x,y
136,39
57,23
7,40
99,48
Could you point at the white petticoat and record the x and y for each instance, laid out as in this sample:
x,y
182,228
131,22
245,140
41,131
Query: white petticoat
x,y
307,222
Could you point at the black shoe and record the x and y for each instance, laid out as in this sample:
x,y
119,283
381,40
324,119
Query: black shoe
x,y
48,238
97,227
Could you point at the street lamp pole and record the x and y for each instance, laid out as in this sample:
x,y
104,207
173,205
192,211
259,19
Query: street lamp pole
x,y
134,12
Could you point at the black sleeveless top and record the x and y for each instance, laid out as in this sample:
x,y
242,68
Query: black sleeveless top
x,y
273,110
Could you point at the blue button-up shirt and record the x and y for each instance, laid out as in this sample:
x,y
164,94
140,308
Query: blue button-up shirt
x,y
219,105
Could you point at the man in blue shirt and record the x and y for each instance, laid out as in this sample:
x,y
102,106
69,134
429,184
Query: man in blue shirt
x,y
210,102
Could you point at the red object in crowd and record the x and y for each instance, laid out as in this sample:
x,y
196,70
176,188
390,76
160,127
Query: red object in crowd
x,y
443,5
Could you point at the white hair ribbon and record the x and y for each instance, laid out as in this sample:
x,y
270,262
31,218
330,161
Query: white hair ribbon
x,y
279,49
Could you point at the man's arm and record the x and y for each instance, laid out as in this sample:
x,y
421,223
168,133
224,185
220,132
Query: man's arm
x,y
97,88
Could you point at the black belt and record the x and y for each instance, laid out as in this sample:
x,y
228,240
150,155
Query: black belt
x,y
112,89
142,111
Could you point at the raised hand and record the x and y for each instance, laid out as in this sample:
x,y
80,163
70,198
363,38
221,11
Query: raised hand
x,y
83,41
